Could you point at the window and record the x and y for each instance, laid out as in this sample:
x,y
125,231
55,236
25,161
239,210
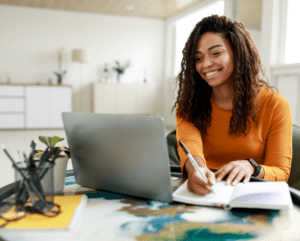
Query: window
x,y
185,25
292,50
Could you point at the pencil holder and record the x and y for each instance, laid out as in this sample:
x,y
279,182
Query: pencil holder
x,y
54,180
34,187
48,180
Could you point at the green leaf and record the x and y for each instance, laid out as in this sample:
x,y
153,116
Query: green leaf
x,y
45,140
55,139
50,141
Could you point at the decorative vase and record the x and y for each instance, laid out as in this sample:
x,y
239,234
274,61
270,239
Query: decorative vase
x,y
118,78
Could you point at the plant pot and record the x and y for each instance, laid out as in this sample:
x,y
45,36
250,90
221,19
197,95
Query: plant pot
x,y
59,176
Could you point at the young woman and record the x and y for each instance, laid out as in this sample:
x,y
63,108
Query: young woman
x,y
227,116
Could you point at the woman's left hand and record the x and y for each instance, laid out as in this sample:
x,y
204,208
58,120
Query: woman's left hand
x,y
236,170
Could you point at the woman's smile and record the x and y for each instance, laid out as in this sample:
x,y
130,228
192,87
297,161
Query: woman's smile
x,y
208,74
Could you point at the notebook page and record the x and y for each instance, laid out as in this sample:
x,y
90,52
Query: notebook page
x,y
261,193
222,196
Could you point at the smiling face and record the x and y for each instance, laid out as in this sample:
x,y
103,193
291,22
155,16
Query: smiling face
x,y
214,59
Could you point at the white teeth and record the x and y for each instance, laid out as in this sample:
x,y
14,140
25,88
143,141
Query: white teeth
x,y
212,73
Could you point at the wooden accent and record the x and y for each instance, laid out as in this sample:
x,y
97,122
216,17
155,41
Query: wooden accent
x,y
150,9
249,11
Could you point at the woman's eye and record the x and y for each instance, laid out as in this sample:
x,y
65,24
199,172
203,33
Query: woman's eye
x,y
216,53
198,59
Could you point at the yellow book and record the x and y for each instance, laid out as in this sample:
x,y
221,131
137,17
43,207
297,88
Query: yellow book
x,y
70,207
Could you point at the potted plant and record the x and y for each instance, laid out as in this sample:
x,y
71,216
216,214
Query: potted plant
x,y
60,166
120,69
60,73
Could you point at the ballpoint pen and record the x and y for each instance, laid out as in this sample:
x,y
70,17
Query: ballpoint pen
x,y
31,153
13,162
194,163
43,172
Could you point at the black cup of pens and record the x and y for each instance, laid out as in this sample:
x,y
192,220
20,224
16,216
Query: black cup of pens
x,y
34,182
30,187
47,182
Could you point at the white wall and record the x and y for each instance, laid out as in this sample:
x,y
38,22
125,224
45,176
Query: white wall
x,y
31,37
256,36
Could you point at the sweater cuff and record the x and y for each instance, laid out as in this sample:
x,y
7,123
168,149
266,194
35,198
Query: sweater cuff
x,y
274,174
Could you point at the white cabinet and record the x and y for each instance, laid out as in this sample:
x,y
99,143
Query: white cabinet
x,y
136,99
12,106
44,106
33,106
60,101
37,107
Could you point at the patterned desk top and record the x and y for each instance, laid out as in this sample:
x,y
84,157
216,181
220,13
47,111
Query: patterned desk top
x,y
110,216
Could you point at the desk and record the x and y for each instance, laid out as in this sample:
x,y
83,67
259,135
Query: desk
x,y
109,216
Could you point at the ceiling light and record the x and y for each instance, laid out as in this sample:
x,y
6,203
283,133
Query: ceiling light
x,y
130,8
183,3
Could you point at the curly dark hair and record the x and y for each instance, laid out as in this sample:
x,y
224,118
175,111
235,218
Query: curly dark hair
x,y
193,100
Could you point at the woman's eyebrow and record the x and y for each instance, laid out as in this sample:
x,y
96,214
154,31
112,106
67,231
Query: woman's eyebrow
x,y
210,48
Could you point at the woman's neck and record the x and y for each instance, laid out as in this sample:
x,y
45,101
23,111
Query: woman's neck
x,y
223,96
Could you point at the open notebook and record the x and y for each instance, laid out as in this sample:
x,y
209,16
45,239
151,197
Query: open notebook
x,y
265,195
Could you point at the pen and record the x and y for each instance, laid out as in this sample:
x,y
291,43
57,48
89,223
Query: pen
x,y
194,163
22,163
46,156
31,153
43,172
12,160
43,156
26,160
9,156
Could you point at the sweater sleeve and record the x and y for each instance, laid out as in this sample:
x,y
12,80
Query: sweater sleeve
x,y
192,139
278,151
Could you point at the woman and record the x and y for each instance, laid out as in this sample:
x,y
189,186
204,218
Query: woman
x,y
227,116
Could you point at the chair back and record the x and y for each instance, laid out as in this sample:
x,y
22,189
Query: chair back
x,y
172,148
294,179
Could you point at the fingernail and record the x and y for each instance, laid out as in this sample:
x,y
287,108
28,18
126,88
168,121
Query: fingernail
x,y
213,182
233,184
218,179
226,183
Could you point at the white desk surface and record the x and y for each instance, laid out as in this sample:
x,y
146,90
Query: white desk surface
x,y
122,218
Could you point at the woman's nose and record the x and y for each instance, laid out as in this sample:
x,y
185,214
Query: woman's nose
x,y
207,62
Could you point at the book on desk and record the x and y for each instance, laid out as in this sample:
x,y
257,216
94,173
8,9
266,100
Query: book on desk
x,y
70,209
261,195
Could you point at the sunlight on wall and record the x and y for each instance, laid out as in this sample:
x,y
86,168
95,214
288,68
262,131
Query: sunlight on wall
x,y
292,51
185,25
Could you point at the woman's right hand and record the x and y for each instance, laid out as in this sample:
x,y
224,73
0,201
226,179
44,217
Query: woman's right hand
x,y
196,183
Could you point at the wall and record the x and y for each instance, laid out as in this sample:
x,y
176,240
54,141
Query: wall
x,y
30,39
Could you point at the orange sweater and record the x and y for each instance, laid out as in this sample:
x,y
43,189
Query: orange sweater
x,y
269,143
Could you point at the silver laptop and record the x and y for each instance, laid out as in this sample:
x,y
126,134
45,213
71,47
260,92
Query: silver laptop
x,y
119,153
